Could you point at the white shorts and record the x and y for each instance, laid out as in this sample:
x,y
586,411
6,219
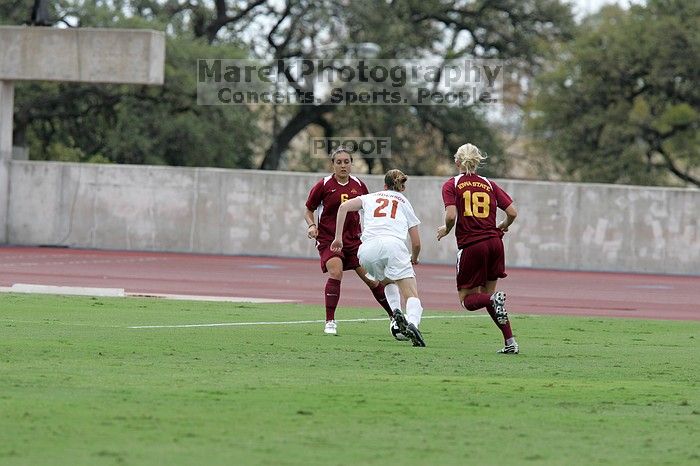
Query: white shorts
x,y
386,257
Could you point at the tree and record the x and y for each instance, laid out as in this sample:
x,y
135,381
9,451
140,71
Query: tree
x,y
14,12
623,104
510,30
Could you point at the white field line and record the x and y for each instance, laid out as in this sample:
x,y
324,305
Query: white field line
x,y
291,322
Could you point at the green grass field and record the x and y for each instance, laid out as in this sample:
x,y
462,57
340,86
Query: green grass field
x,y
77,386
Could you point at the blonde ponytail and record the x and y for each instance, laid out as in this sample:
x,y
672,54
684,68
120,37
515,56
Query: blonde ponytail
x,y
469,158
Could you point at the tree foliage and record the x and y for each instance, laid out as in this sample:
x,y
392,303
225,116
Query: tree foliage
x,y
14,12
513,30
164,125
623,104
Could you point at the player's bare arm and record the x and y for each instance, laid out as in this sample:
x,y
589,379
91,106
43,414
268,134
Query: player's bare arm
x,y
450,218
415,244
353,205
312,228
511,213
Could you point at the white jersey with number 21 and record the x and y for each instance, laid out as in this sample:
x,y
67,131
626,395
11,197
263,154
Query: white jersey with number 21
x,y
386,213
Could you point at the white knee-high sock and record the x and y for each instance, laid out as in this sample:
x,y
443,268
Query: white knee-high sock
x,y
414,311
393,297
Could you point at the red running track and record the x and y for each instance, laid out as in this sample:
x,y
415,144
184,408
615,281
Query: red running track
x,y
529,291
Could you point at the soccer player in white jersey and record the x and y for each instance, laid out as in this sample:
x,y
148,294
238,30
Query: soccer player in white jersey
x,y
388,218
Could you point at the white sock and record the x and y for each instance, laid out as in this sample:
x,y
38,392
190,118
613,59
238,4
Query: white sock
x,y
393,297
510,341
414,311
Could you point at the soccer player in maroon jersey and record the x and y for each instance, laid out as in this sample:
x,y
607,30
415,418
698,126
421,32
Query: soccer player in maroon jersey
x,y
470,203
326,197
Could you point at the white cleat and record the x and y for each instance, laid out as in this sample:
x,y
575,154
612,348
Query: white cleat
x,y
331,328
510,349
498,299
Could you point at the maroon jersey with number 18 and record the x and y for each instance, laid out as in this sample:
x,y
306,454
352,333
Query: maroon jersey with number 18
x,y
476,199
326,196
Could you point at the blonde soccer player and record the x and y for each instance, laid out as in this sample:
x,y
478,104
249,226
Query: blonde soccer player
x,y
470,204
388,218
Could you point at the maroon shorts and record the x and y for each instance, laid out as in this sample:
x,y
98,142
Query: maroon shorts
x,y
480,262
347,255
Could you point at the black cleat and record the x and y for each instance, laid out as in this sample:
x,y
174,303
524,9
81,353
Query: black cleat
x,y
400,320
415,335
408,329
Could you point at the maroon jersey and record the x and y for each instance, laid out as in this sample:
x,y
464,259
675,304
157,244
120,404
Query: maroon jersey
x,y
476,199
326,196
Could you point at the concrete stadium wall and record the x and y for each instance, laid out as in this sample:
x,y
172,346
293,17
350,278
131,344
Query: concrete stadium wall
x,y
97,55
204,210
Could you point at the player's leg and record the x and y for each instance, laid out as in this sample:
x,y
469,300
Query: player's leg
x,y
397,268
372,259
496,270
474,299
377,288
477,292
408,288
500,315
400,270
408,324
498,298
370,253
471,277
393,296
490,287
334,265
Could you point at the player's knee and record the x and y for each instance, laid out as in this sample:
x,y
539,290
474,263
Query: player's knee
x,y
470,303
372,285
